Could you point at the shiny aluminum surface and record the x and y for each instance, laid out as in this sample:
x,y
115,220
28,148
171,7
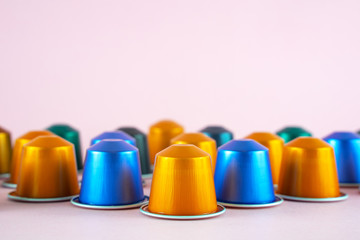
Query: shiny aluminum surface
x,y
111,175
182,182
17,152
114,135
160,135
218,133
347,154
243,173
72,135
292,132
142,145
200,140
5,151
275,144
308,170
47,169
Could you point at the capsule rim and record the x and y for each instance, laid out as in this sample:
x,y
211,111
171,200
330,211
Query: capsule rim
x,y
145,210
278,201
75,201
343,196
13,196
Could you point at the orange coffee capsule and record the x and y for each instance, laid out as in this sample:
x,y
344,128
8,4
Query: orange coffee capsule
x,y
16,157
160,135
182,182
200,140
48,170
5,152
275,144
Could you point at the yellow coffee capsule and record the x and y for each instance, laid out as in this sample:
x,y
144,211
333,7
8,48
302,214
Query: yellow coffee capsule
x,y
160,135
16,156
48,170
182,182
5,151
275,144
308,172
200,140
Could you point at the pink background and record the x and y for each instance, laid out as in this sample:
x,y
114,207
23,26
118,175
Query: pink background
x,y
247,65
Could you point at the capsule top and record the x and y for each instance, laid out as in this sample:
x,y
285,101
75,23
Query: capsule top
x,y
342,136
112,145
61,128
131,131
2,130
308,143
166,126
264,136
243,145
113,135
214,129
48,142
294,131
191,138
33,134
182,151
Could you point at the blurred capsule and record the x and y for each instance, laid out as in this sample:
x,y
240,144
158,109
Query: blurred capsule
x,y
200,140
142,145
218,133
308,172
120,135
5,152
290,133
160,135
347,154
72,135
275,144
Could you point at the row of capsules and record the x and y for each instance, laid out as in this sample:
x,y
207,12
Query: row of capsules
x,y
195,174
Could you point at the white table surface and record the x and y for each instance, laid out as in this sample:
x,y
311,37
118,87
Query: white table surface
x,y
291,220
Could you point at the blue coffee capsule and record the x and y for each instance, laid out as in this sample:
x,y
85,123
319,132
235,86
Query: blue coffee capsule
x,y
142,145
347,155
218,133
114,135
111,177
243,175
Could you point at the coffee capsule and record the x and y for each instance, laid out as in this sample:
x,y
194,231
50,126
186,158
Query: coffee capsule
x,y
218,133
308,172
182,185
160,135
120,135
200,140
47,171
142,145
72,135
111,177
347,154
5,152
275,144
290,133
243,175
16,155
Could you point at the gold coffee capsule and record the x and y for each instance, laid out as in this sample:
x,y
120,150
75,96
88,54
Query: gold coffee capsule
x,y
182,182
275,144
160,135
48,171
308,172
16,157
5,151
200,140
